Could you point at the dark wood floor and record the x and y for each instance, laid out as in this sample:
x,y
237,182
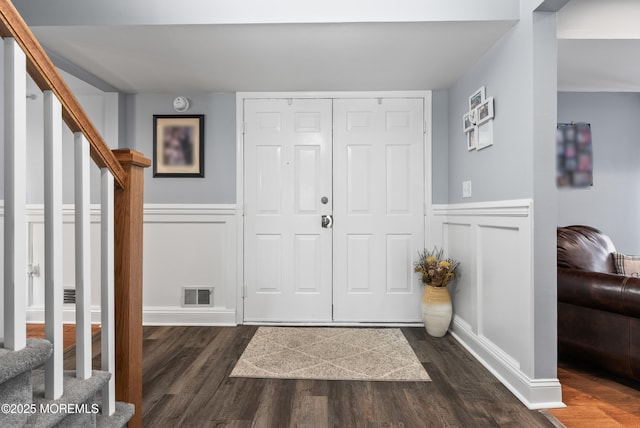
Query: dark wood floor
x,y
186,384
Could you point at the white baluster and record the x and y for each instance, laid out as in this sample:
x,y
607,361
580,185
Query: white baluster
x,y
108,338
53,296
83,257
15,166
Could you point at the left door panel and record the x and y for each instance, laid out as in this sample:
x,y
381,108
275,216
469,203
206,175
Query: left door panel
x,y
288,254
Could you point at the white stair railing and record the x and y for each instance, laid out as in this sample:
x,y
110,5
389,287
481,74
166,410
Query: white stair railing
x,y
53,244
15,236
107,286
15,196
82,163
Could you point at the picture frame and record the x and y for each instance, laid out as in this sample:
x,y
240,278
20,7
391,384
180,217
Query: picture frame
x,y
467,122
472,138
485,135
477,98
178,145
485,111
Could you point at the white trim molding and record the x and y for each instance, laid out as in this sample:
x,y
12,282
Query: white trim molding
x,y
494,295
202,235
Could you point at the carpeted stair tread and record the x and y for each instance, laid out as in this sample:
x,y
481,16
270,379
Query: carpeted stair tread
x,y
12,363
124,412
76,392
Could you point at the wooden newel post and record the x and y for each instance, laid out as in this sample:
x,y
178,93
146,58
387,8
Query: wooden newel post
x,y
128,281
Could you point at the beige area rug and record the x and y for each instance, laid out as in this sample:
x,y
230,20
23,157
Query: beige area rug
x,y
372,354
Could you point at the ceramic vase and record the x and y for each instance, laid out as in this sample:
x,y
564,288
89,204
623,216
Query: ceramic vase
x,y
436,310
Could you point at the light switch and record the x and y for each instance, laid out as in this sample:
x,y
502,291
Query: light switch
x,y
466,189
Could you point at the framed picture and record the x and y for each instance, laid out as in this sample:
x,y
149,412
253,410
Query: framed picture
x,y
472,138
485,110
178,146
467,122
477,98
485,135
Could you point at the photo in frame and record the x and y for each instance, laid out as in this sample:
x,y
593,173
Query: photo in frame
x,y
485,111
467,122
485,135
472,139
178,145
476,98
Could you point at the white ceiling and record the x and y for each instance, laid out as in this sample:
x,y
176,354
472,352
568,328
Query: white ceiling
x,y
599,46
599,65
276,57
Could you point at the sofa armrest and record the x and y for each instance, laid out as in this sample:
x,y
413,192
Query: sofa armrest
x,y
607,292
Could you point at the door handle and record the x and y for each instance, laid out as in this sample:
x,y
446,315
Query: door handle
x,y
327,221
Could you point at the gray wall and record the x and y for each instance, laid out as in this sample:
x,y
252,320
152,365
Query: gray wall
x,y
219,184
520,72
613,203
502,171
440,146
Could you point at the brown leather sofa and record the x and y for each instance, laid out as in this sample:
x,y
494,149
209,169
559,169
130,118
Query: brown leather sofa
x,y
598,310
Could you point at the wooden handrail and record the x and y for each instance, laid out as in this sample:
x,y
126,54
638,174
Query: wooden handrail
x,y
46,76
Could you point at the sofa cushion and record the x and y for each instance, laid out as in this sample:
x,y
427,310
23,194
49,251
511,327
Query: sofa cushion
x,y
585,248
627,265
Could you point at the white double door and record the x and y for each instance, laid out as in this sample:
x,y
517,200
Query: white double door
x,y
360,161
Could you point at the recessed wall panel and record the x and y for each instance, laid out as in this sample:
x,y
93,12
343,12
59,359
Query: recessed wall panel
x,y
359,169
398,170
359,263
399,264
460,243
307,179
307,262
504,289
268,263
269,180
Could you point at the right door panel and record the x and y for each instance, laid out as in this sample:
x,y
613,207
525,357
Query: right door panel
x,y
378,188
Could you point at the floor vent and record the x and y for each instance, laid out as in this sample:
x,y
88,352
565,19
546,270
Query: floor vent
x,y
196,296
69,296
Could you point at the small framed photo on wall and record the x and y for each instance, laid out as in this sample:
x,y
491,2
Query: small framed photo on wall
x,y
485,135
485,111
467,122
476,98
472,139
178,146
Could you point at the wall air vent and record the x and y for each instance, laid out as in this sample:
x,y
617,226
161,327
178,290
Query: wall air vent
x,y
69,295
197,296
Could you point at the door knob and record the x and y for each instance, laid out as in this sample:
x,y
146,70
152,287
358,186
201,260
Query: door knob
x,y
327,221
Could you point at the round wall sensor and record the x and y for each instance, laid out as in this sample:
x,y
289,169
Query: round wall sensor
x,y
180,104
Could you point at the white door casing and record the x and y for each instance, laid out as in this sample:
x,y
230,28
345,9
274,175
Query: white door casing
x,y
287,254
378,173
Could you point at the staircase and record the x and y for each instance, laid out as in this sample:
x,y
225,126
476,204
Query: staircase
x,y
35,391
23,397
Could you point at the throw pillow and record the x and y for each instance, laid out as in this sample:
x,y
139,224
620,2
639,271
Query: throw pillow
x,y
627,265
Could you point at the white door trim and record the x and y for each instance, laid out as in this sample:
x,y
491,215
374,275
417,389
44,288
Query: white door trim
x,y
241,96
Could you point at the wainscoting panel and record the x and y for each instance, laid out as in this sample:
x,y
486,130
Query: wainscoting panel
x,y
184,246
493,296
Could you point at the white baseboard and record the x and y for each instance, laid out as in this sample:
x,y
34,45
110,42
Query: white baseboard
x,y
179,316
534,393
35,314
152,315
